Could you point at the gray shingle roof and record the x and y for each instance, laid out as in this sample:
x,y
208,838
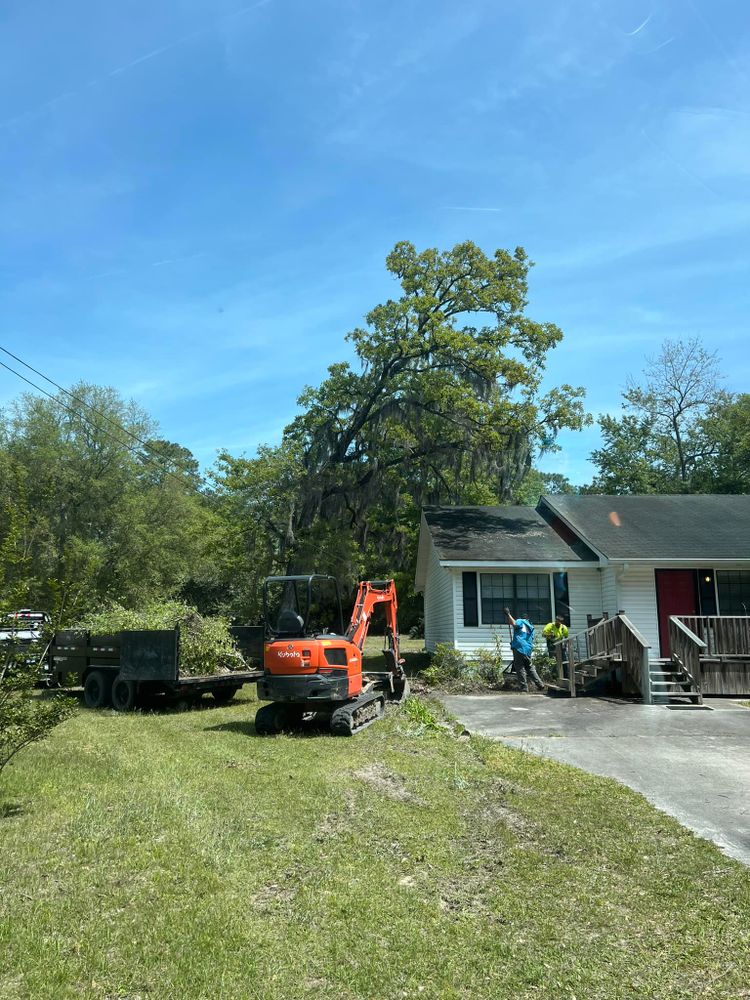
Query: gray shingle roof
x,y
500,534
660,527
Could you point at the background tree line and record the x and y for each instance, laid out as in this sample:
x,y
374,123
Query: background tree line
x,y
442,404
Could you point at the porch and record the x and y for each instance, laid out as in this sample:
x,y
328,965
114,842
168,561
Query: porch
x,y
709,655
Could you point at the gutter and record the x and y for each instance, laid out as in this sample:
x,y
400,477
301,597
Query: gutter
x,y
516,563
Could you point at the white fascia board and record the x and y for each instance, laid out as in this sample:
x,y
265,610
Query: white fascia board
x,y
515,564
666,561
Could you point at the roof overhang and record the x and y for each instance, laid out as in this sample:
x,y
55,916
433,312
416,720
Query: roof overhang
x,y
517,564
669,561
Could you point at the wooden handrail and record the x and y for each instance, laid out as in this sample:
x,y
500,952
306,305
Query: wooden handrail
x,y
686,648
605,640
727,635
688,632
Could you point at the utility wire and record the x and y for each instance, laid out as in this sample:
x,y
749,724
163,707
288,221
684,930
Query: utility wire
x,y
151,450
77,413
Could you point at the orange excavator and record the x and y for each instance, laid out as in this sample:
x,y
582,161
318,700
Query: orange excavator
x,y
313,668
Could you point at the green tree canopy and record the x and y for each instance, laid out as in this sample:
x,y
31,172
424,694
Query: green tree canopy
x,y
443,405
87,512
664,442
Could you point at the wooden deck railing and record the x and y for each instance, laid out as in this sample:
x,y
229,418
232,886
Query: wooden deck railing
x,y
722,635
613,640
686,647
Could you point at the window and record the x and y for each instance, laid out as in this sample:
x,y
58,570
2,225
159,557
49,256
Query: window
x,y
562,596
526,594
734,591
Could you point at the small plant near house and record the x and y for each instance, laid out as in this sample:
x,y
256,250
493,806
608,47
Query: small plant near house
x,y
417,711
206,645
546,665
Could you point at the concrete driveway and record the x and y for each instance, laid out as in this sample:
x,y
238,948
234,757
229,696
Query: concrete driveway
x,y
692,763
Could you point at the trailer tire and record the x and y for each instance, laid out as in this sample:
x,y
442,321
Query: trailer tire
x,y
224,695
123,694
97,690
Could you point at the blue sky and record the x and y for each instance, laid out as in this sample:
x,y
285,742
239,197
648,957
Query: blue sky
x,y
197,196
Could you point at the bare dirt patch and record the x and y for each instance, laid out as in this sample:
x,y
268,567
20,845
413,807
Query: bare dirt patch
x,y
379,778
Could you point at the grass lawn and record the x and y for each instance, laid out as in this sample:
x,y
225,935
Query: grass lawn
x,y
180,856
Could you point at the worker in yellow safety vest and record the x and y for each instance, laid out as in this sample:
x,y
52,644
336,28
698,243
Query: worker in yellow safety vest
x,y
554,632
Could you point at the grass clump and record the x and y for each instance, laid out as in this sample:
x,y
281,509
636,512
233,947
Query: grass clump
x,y
206,645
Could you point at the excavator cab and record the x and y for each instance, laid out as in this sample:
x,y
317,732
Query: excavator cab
x,y
312,666
295,607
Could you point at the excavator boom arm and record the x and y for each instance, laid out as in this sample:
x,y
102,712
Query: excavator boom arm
x,y
370,594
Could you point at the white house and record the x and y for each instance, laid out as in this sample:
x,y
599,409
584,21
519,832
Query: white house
x,y
582,556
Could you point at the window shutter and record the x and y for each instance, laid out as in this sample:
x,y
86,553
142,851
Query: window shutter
x,y
471,615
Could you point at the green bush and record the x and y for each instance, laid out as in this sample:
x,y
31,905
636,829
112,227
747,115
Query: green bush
x,y
488,668
25,718
450,669
545,664
206,646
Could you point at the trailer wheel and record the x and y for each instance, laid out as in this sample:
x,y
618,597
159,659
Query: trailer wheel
x,y
123,694
224,695
97,690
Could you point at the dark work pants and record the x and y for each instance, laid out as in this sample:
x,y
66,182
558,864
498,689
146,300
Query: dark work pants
x,y
522,664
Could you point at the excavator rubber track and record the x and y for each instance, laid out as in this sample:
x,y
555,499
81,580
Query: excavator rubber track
x,y
357,714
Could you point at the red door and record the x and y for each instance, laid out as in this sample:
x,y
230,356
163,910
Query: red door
x,y
676,594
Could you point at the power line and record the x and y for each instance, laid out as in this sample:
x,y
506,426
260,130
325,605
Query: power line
x,y
88,405
81,416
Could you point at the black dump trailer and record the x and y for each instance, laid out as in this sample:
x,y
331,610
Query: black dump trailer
x,y
121,669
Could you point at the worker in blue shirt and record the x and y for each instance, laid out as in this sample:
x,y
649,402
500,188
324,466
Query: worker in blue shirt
x,y
522,645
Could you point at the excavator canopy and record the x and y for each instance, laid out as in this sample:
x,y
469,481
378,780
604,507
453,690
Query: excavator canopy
x,y
296,607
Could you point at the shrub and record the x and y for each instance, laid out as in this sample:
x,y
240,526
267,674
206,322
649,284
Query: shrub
x,y
417,630
25,719
488,668
447,664
206,646
452,670
545,664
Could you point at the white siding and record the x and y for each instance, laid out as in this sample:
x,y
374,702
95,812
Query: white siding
x,y
584,590
468,639
609,591
438,602
585,596
636,586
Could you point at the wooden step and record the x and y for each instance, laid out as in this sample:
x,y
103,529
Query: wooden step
x,y
670,695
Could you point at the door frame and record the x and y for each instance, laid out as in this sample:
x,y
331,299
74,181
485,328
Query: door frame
x,y
696,598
